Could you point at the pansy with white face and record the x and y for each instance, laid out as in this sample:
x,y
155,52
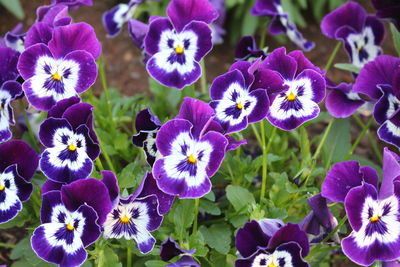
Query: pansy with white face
x,y
363,47
375,223
114,19
9,91
134,219
285,255
50,79
13,190
64,234
187,162
69,154
175,55
234,104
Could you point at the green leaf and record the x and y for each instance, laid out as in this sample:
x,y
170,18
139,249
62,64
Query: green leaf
x,y
347,67
239,197
155,263
338,142
183,214
217,236
396,38
238,220
14,7
210,207
130,176
107,258
197,241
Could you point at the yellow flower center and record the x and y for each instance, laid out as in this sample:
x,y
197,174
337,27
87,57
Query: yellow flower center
x,y
179,50
125,220
71,147
192,159
291,97
272,264
239,105
56,76
374,219
70,227
2,187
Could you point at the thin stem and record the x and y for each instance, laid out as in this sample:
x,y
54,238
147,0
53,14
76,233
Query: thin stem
x,y
99,164
256,133
315,249
196,213
105,90
359,138
203,78
5,245
319,149
128,254
106,157
28,125
265,149
262,37
371,140
333,55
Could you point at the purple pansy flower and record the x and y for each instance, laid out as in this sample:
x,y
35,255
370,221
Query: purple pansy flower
x,y
342,102
73,4
18,164
280,22
361,33
191,150
379,80
64,233
295,87
9,89
170,249
373,216
71,145
14,38
320,221
270,242
235,102
138,215
217,26
388,9
61,69
177,44
147,126
246,49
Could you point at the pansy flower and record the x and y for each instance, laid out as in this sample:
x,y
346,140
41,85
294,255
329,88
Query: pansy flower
x,y
73,4
246,49
388,9
138,215
217,26
235,103
191,152
177,44
269,242
61,69
70,149
373,215
295,88
64,233
115,18
170,249
379,80
360,33
9,90
18,164
342,102
320,221
147,126
14,38
280,22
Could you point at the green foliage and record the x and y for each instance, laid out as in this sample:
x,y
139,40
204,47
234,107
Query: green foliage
x,y
396,38
14,7
218,237
347,67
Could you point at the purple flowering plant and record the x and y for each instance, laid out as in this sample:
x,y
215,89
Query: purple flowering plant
x,y
255,164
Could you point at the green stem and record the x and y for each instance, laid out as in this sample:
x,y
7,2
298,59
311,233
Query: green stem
x,y
128,254
319,149
262,37
28,125
332,57
105,155
196,213
315,249
371,139
99,164
5,245
256,133
105,90
265,149
203,78
359,138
